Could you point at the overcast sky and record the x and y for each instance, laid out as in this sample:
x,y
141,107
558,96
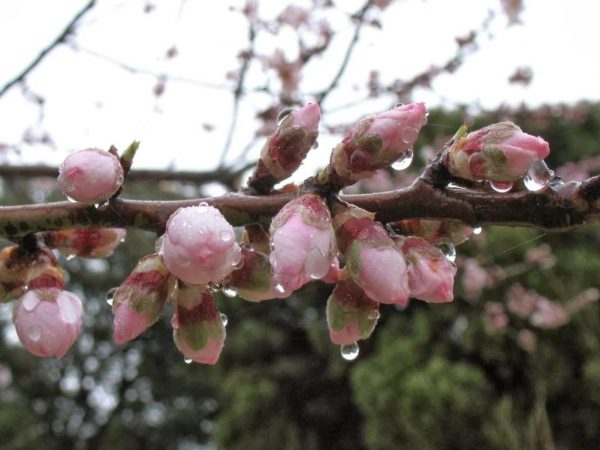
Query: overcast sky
x,y
91,101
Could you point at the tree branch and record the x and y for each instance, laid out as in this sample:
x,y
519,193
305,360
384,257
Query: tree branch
x,y
423,199
59,40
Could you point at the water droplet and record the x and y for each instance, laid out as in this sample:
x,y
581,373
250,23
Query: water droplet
x,y
538,176
448,250
404,161
349,351
71,199
214,287
102,206
110,295
373,315
501,186
224,319
175,321
455,187
283,114
34,333
30,302
409,134
279,288
70,307
316,264
226,236
248,247
187,360
477,230
229,291
70,257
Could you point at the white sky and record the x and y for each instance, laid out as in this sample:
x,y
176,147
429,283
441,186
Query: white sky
x,y
92,102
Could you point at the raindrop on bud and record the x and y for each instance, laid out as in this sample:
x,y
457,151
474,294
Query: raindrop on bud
x,y
538,176
316,264
404,161
448,250
477,230
30,302
501,186
224,319
373,315
214,287
70,257
71,199
187,360
349,351
34,333
279,288
110,295
409,134
229,291
102,206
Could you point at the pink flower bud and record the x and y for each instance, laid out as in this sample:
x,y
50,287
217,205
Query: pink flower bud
x,y
430,274
372,258
198,330
303,242
548,314
137,303
377,141
86,242
199,245
495,319
48,321
500,152
90,176
283,152
434,231
351,315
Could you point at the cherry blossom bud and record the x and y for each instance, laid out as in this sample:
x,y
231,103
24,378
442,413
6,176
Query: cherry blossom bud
x,y
548,314
86,242
430,274
198,329
43,272
48,321
377,141
434,231
254,280
199,245
137,303
351,315
475,279
283,152
500,152
495,319
90,176
372,258
303,242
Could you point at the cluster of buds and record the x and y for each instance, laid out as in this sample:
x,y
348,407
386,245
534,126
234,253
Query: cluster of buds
x,y
315,236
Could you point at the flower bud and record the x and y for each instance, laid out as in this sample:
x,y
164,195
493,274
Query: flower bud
x,y
377,141
48,321
302,241
434,231
430,274
283,152
90,176
351,315
372,258
199,245
86,242
500,152
137,303
198,330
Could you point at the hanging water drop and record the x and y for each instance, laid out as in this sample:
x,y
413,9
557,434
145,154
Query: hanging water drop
x,y
34,333
102,206
187,360
538,176
229,291
30,302
71,199
350,351
70,257
279,288
477,230
448,250
373,315
316,264
501,186
214,287
110,295
409,134
404,161
224,319
226,236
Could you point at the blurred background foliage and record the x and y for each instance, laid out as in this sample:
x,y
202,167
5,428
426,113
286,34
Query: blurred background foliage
x,y
470,374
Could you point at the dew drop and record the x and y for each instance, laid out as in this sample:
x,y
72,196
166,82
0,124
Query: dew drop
x,y
70,257
350,351
248,247
538,176
34,333
316,264
448,250
71,199
373,315
501,186
214,287
455,187
224,319
110,295
283,114
279,288
409,134
404,161
30,302
102,206
226,236
477,230
187,360
70,307
229,291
